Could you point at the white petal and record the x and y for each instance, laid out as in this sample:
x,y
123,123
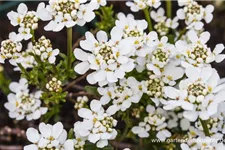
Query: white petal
x,y
204,37
192,116
31,147
85,113
32,135
80,54
102,143
95,105
57,129
22,9
45,130
93,138
82,67
102,36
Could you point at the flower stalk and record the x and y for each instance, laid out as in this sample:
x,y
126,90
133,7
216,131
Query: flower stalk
x,y
169,8
148,18
33,36
205,127
69,48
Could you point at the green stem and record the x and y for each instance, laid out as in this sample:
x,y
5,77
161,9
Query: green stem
x,y
169,8
148,18
205,127
181,34
33,36
23,70
69,48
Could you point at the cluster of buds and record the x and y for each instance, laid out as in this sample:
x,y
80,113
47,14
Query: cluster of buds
x,y
43,48
10,49
79,143
154,87
106,124
137,111
160,57
81,102
200,53
161,28
106,52
54,85
30,21
41,45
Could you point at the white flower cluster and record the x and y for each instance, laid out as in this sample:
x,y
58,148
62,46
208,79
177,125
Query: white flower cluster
x,y
108,57
122,96
154,122
68,13
197,140
43,48
137,5
97,125
22,104
194,14
163,24
26,20
50,137
10,48
24,58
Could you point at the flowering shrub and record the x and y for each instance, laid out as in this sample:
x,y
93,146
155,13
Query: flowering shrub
x,y
146,80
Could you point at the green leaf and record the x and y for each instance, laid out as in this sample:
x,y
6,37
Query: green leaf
x,y
91,90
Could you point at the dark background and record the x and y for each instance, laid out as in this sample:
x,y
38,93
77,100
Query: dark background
x,y
14,134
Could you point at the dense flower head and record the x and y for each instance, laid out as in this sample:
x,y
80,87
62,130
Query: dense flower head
x,y
43,48
22,104
54,85
10,48
97,125
197,53
199,94
122,96
163,24
68,13
26,20
108,57
194,14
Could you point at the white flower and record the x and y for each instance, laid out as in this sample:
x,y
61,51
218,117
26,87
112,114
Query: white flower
x,y
196,94
68,13
197,53
127,92
10,48
171,74
137,5
97,125
109,58
17,17
27,21
158,16
193,13
21,104
161,55
50,137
